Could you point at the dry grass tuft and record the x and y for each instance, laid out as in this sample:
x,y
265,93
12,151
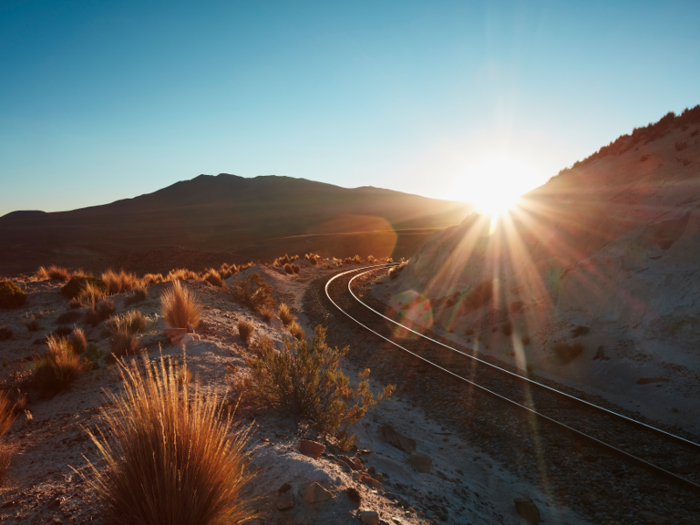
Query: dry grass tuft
x,y
296,330
138,295
124,343
286,315
94,315
267,315
78,341
132,321
245,330
213,277
179,306
8,414
90,295
120,282
168,454
288,268
52,272
58,368
254,293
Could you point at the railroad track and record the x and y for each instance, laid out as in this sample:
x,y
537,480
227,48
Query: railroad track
x,y
660,452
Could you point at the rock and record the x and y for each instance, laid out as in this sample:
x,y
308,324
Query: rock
x,y
372,470
286,502
370,517
190,328
311,448
349,462
389,435
283,489
652,517
354,495
527,509
175,332
422,462
379,477
315,493
187,339
357,464
54,503
372,482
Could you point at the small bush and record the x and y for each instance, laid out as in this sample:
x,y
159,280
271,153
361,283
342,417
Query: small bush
x,y
52,272
526,340
285,314
254,293
58,368
94,315
119,282
507,328
567,352
267,315
303,380
516,306
469,331
78,341
288,268
92,355
480,296
297,331
8,414
681,145
168,452
152,278
395,271
138,295
78,283
179,306
132,321
69,317
90,295
32,324
371,259
11,295
214,278
328,266
296,268
245,330
6,333
124,343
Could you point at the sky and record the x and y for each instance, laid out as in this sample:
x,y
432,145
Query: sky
x,y
101,101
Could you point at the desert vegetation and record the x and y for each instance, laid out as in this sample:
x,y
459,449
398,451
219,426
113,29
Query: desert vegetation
x,y
120,282
567,351
395,271
11,295
52,272
168,436
132,321
180,307
78,283
7,417
95,313
285,315
254,293
303,380
56,370
138,295
245,330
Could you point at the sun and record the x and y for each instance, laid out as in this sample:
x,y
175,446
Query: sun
x,y
495,185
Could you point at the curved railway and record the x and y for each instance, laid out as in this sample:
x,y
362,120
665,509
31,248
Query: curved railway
x,y
659,452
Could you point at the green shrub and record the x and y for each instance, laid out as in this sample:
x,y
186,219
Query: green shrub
x,y
303,380
567,352
78,283
11,295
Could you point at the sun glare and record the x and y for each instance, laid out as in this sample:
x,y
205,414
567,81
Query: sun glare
x,y
495,185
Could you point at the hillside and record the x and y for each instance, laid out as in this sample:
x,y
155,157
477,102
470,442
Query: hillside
x,y
598,271
223,212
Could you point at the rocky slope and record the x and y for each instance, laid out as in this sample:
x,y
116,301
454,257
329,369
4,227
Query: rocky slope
x,y
606,254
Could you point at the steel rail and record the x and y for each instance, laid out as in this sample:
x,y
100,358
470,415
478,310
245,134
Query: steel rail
x,y
630,457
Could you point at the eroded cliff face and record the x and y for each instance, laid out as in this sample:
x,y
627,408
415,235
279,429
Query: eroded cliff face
x,y
607,255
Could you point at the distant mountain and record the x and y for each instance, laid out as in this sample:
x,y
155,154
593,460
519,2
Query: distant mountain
x,y
225,212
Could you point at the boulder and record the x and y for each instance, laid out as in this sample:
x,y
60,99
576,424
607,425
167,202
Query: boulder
x,y
311,448
389,435
315,493
283,489
422,462
371,517
527,509
175,332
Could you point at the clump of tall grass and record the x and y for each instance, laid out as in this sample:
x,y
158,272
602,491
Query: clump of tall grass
x,y
78,341
304,380
285,314
8,414
97,312
52,272
395,271
58,368
296,330
214,278
124,343
168,453
90,295
179,306
245,330
132,321
119,282
138,295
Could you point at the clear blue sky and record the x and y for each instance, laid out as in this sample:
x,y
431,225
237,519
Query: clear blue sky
x,y
106,100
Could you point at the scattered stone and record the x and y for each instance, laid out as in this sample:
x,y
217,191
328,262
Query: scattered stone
x,y
8,504
370,517
652,518
379,477
389,435
422,462
283,489
286,502
354,495
527,509
357,465
349,462
372,470
276,323
315,493
311,448
54,503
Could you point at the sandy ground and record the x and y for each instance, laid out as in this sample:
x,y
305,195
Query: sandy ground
x,y
463,485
